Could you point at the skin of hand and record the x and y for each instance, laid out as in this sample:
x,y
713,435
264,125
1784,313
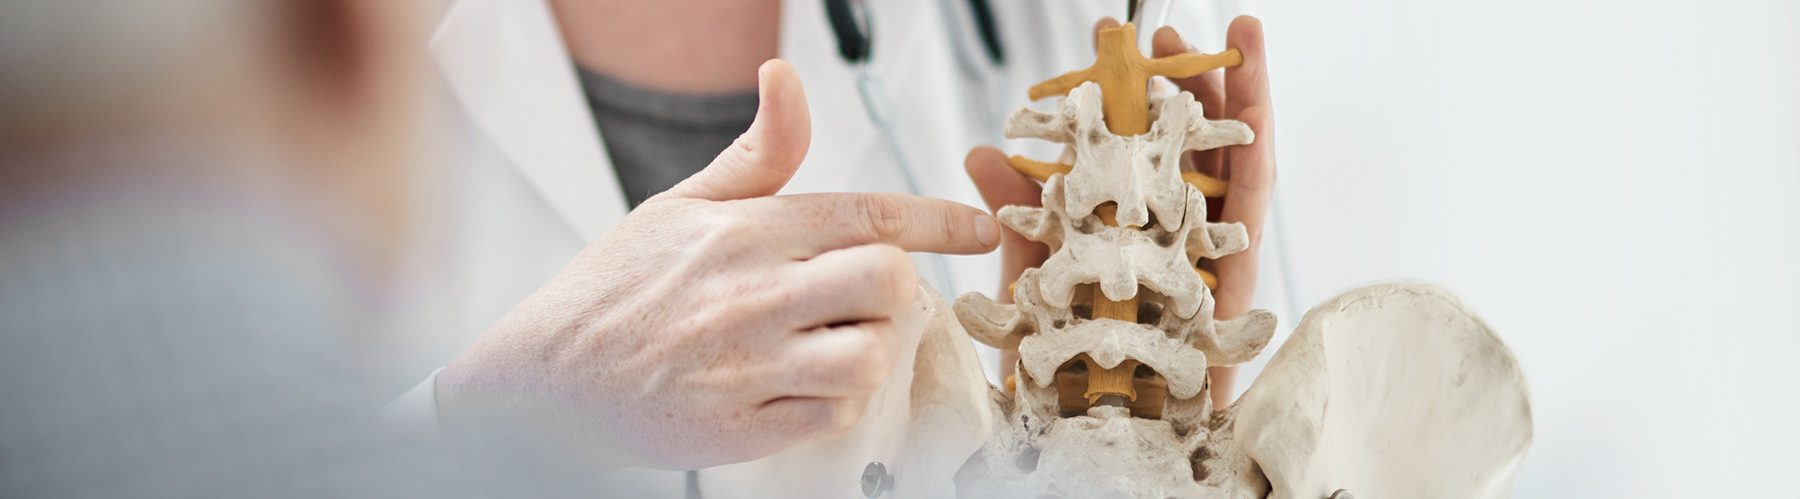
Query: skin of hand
x,y
717,323
1240,93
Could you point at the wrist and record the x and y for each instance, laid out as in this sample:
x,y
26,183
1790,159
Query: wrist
x,y
482,408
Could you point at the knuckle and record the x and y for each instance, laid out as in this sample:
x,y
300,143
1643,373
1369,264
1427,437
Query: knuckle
x,y
736,418
737,225
840,416
950,224
779,425
895,277
872,367
761,299
724,219
729,229
860,367
883,215
884,276
813,418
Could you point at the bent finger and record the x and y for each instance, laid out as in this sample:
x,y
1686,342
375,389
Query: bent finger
x,y
785,422
852,360
859,283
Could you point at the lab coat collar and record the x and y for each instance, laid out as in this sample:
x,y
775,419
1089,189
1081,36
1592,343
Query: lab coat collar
x,y
506,63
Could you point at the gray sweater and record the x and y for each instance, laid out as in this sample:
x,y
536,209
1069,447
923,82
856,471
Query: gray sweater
x,y
656,139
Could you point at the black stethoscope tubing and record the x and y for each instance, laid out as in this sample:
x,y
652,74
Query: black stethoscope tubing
x,y
854,39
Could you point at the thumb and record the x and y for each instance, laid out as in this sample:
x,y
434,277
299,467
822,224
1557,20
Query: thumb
x,y
762,160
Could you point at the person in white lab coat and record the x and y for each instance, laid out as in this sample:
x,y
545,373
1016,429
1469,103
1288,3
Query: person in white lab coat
x,y
714,308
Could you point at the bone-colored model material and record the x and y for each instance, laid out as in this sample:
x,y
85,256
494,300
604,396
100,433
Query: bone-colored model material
x,y
1392,391
931,415
1387,391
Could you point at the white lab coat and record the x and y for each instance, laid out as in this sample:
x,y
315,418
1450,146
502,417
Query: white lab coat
x,y
533,184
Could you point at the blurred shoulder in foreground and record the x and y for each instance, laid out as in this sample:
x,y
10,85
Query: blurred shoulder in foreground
x,y
199,207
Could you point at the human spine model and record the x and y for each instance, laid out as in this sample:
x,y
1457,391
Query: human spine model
x,y
1389,391
1117,325
1115,332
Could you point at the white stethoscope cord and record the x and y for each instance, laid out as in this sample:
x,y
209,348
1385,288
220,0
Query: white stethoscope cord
x,y
870,89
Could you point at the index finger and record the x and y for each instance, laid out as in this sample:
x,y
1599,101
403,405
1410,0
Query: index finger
x,y
818,223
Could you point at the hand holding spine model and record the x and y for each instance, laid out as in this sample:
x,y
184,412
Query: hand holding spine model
x,y
1387,391
1115,332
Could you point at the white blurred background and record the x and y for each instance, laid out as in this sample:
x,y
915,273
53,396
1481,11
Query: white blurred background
x,y
1613,185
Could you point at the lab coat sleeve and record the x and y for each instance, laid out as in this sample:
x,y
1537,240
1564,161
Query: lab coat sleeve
x,y
415,411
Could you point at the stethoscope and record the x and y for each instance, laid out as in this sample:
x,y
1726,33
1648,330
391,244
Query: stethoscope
x,y
851,26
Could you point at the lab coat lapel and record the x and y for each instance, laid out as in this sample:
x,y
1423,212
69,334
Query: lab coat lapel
x,y
841,132
506,63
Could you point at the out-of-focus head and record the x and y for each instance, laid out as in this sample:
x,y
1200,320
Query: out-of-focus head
x,y
100,66
322,95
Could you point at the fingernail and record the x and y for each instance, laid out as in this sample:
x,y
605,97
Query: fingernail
x,y
987,229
